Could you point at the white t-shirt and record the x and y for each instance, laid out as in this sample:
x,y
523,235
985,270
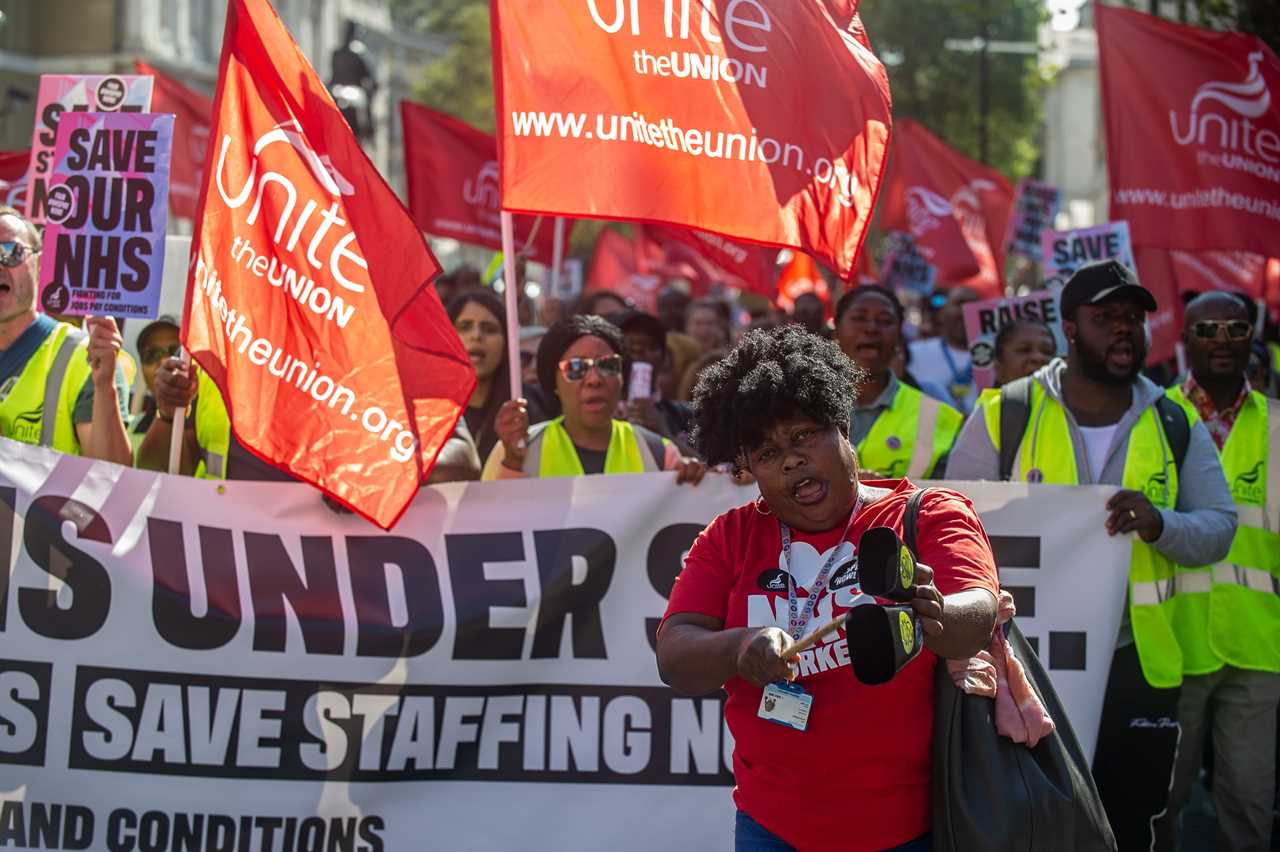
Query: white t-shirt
x,y
1097,440
931,367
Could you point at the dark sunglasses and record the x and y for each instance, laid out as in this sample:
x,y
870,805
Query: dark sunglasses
x,y
576,369
1236,329
156,354
14,253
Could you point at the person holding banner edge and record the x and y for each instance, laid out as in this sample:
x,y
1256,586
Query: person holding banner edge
x,y
779,406
1095,419
60,387
897,430
1228,618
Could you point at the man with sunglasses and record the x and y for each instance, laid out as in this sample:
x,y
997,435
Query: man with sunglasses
x,y
60,386
1228,617
1094,419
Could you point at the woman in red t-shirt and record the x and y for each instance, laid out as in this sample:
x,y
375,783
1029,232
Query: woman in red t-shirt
x,y
852,769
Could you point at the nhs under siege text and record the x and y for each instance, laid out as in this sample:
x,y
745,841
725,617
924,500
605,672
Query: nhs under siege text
x,y
193,724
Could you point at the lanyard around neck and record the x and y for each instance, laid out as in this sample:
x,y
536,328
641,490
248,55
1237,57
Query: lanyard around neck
x,y
797,621
959,377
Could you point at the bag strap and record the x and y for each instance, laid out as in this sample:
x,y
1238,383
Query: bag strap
x,y
1177,428
1015,414
909,520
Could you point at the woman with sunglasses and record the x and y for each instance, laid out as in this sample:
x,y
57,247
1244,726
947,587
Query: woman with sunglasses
x,y
581,362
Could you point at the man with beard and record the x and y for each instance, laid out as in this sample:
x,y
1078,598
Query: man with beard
x,y
1228,613
1093,419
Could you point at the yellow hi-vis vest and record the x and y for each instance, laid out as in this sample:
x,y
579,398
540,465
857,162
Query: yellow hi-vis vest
x,y
551,451
1230,612
213,429
1047,455
910,436
37,406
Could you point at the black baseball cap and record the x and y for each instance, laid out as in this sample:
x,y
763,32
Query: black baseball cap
x,y
646,324
164,321
1104,282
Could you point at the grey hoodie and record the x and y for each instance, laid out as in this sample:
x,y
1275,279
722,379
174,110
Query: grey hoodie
x,y
1197,532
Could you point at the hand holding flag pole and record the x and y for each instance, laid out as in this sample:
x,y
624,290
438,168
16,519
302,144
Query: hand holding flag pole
x,y
179,423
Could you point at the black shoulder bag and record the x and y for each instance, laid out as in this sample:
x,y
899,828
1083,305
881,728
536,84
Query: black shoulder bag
x,y
990,792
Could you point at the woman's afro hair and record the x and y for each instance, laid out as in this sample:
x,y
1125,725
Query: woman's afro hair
x,y
769,376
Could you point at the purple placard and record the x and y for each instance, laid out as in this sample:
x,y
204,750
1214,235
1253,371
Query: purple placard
x,y
107,206
61,94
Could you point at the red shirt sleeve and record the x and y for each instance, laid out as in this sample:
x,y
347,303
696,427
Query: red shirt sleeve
x,y
952,541
707,579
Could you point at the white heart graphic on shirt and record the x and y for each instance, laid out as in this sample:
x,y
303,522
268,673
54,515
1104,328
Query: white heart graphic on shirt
x,y
807,562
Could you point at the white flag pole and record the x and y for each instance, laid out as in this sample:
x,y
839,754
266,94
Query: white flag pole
x,y
557,257
513,303
178,426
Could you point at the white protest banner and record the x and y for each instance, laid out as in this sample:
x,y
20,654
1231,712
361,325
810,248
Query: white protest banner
x,y
1066,251
233,665
984,320
1036,207
107,207
1068,578
61,93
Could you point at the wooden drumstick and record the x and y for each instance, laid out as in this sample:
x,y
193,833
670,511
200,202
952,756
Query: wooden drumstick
x,y
812,639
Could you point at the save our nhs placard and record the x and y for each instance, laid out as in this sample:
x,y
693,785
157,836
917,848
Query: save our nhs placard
x,y
61,94
107,204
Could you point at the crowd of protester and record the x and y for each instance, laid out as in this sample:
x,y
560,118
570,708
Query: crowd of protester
x,y
607,389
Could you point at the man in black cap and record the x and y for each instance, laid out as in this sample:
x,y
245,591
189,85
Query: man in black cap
x,y
1094,419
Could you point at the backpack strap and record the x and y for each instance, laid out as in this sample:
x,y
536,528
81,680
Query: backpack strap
x,y
910,518
1015,414
1177,428
652,442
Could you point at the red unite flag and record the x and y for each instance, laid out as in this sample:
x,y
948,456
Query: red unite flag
x,y
1193,133
957,210
710,259
763,122
193,113
451,169
310,304
632,268
13,178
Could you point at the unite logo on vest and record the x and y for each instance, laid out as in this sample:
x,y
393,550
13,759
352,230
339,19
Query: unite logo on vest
x,y
1248,487
25,427
1157,488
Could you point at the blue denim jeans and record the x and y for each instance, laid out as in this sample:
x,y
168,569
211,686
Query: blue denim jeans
x,y
751,836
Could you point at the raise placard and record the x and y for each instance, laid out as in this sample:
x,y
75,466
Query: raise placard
x,y
107,204
62,93
983,322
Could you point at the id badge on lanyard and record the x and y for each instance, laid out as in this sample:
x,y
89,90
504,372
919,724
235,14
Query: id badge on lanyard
x,y
790,704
